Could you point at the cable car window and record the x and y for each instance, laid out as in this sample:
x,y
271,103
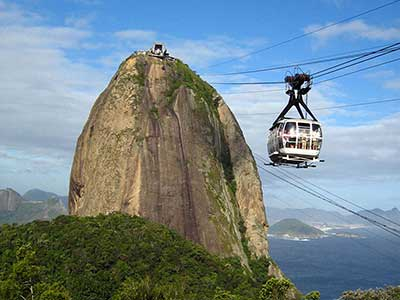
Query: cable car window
x,y
291,142
290,128
304,128
316,144
316,137
304,136
316,130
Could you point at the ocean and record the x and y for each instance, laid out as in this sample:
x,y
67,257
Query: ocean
x,y
335,264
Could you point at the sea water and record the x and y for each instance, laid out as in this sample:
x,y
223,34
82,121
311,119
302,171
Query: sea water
x,y
335,264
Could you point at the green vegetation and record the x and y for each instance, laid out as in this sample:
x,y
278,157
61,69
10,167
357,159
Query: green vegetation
x,y
387,293
29,211
294,227
244,241
140,78
154,113
117,257
184,76
314,295
275,289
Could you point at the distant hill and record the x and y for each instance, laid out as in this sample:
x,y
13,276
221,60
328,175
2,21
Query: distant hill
x,y
39,195
294,228
117,257
313,216
392,214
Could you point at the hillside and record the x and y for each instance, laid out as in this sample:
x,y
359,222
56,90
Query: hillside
x,y
307,215
38,195
104,257
29,211
294,228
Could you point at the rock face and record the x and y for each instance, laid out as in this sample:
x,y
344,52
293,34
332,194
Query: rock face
x,y
9,200
161,143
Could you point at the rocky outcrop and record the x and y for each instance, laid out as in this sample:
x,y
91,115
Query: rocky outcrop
x,y
9,200
161,143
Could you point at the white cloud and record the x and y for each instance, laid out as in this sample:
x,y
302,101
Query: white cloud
x,y
376,142
134,35
12,14
357,29
201,53
393,84
45,96
80,21
28,37
197,53
380,74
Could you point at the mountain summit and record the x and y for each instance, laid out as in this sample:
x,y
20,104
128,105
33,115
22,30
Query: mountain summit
x,y
162,144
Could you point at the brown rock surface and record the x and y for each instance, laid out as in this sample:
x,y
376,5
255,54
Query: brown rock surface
x,y
161,143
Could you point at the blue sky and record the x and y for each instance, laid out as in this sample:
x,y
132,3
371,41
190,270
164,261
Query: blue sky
x,y
57,56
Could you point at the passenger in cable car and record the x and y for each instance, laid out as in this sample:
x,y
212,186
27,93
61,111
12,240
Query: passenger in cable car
x,y
290,133
316,137
290,128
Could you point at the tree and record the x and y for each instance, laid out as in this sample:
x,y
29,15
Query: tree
x,y
53,291
144,289
387,293
314,295
221,294
275,289
9,289
25,274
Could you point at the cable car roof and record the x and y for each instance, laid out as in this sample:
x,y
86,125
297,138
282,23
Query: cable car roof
x,y
299,120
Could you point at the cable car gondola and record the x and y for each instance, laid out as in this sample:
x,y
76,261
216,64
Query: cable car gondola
x,y
298,141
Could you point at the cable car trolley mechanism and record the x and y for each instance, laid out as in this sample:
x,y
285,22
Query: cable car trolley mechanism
x,y
295,141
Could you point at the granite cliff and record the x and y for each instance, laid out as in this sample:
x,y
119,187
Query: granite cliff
x,y
162,144
9,200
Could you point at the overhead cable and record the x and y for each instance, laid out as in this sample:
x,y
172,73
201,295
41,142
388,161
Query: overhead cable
x,y
329,107
347,64
306,34
329,70
359,70
317,60
339,197
388,229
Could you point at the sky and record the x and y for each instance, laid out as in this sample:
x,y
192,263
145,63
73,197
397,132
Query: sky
x,y
57,56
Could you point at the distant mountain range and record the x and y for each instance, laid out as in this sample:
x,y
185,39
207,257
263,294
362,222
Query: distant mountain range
x,y
313,216
34,205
